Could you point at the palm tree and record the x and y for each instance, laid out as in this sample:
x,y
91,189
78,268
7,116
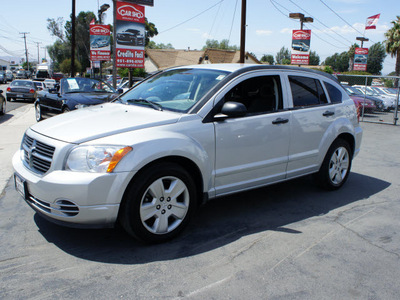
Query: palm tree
x,y
393,45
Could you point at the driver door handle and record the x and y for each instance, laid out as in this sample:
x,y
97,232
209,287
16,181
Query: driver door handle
x,y
328,113
280,121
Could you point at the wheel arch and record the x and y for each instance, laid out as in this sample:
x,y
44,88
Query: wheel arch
x,y
184,162
349,139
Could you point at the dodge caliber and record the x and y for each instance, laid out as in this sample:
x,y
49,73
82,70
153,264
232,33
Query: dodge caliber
x,y
185,135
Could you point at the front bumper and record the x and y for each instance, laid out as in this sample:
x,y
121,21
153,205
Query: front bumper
x,y
89,200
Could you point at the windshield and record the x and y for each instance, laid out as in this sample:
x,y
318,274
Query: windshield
x,y
176,90
352,91
84,85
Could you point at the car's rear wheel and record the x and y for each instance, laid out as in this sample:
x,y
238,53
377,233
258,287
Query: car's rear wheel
x,y
336,166
38,112
159,203
65,110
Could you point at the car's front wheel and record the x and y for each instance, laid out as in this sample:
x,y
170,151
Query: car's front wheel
x,y
38,112
159,203
336,166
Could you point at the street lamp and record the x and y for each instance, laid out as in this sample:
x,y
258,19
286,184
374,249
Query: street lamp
x,y
102,9
302,18
362,40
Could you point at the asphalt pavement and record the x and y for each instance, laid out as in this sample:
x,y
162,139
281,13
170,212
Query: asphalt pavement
x,y
12,127
287,241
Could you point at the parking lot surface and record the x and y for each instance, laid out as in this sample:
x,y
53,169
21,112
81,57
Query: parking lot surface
x,y
287,241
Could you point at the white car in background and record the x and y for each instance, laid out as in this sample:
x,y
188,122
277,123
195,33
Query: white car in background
x,y
182,137
50,83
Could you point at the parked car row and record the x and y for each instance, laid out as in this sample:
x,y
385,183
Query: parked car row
x,y
371,99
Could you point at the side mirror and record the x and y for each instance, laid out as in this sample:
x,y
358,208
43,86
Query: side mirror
x,y
120,91
233,110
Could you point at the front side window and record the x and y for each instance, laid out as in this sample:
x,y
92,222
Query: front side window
x,y
259,94
306,91
177,90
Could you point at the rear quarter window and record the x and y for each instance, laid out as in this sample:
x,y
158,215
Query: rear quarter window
x,y
334,93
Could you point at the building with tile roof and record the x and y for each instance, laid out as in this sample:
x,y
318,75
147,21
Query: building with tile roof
x,y
160,59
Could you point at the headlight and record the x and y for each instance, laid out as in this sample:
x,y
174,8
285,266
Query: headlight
x,y
95,159
78,106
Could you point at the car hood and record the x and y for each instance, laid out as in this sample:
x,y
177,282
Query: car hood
x,y
90,98
99,121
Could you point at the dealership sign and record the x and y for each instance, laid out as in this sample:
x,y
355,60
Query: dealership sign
x,y
100,42
130,35
301,40
360,59
142,2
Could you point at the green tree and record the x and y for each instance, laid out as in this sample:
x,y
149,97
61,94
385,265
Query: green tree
x,y
65,66
376,56
283,56
268,58
58,52
223,45
338,62
153,45
392,44
56,28
151,31
82,36
352,52
314,58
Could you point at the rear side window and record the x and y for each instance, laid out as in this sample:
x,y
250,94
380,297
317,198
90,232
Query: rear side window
x,y
334,93
306,91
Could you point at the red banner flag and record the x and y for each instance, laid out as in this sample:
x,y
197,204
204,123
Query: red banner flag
x,y
371,22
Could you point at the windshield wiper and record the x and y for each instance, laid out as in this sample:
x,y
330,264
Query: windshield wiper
x,y
154,105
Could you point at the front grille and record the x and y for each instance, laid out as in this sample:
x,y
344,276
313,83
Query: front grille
x,y
37,155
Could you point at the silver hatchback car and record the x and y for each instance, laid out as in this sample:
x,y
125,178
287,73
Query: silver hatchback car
x,y
182,137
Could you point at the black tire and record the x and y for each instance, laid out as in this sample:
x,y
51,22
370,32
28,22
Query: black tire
x,y
335,168
65,110
3,107
38,113
153,210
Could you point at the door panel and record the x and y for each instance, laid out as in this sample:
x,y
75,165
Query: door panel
x,y
252,150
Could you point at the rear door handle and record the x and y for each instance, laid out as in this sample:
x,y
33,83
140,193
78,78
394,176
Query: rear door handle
x,y
280,121
328,113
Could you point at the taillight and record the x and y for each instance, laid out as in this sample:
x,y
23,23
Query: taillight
x,y
8,89
32,91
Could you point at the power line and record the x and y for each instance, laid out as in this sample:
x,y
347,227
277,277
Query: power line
x,y
321,22
314,33
192,17
340,17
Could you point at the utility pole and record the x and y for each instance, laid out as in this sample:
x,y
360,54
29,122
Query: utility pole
x,y
45,50
243,33
73,40
38,61
26,49
114,54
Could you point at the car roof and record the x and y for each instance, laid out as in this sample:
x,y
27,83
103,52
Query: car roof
x,y
241,68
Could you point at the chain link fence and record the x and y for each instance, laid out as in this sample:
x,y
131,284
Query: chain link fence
x,y
376,97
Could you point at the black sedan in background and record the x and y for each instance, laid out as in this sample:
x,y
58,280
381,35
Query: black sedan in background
x,y
72,93
21,89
